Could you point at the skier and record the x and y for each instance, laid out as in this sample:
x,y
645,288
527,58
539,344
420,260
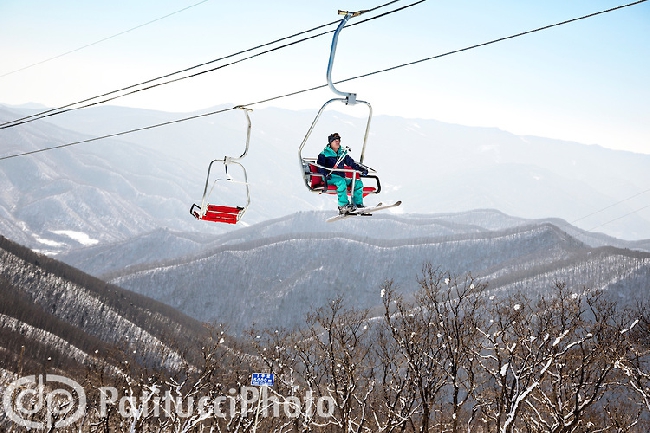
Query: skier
x,y
333,157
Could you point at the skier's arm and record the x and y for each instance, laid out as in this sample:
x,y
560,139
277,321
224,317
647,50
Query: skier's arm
x,y
352,163
322,161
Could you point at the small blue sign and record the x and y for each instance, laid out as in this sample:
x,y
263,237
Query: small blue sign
x,y
262,379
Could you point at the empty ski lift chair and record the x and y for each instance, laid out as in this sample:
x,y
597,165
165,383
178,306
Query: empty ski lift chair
x,y
229,214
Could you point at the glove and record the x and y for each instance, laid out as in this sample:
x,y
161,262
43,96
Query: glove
x,y
364,173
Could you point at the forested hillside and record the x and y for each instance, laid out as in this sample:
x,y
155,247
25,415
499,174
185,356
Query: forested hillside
x,y
55,316
451,357
272,275
479,330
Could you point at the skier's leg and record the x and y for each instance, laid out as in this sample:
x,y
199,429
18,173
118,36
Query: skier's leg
x,y
341,188
357,197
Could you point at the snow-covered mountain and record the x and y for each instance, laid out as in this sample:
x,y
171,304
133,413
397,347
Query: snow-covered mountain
x,y
118,207
273,274
509,210
63,199
165,245
114,189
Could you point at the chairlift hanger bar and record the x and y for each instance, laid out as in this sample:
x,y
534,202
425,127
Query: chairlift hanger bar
x,y
351,98
346,97
248,130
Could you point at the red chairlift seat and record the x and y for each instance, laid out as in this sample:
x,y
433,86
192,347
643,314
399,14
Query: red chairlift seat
x,y
219,214
315,180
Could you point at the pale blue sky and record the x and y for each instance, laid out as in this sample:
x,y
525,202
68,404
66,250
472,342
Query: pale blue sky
x,y
586,81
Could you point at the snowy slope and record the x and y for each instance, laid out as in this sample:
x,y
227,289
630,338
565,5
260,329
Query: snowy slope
x,y
432,166
163,245
276,280
64,316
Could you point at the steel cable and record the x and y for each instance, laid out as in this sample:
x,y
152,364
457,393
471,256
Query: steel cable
x,y
320,86
149,83
104,39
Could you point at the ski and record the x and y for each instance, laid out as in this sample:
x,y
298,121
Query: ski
x,y
366,211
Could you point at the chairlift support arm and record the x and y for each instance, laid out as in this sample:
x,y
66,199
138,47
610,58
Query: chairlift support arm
x,y
347,97
350,98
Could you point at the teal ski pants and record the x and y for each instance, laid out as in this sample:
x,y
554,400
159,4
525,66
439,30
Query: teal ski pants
x,y
342,189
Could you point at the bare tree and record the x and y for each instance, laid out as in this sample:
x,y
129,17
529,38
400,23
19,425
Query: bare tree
x,y
582,368
340,339
549,363
393,405
515,356
420,345
330,362
456,303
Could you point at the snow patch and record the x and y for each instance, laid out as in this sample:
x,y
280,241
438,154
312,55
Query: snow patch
x,y
80,237
49,242
46,252
488,147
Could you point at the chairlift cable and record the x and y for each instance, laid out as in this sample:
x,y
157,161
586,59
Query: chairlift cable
x,y
104,39
316,87
131,89
610,206
493,41
618,218
449,52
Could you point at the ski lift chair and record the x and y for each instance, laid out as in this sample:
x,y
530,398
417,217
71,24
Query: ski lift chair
x,y
311,171
224,213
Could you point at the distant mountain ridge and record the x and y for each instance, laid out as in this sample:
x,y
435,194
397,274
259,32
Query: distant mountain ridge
x,y
116,189
118,208
274,274
162,246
